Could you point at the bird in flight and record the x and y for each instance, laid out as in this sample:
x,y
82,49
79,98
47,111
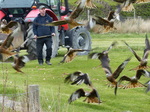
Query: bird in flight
x,y
78,78
20,61
7,46
70,20
107,23
133,81
95,55
4,27
128,4
112,76
71,54
144,60
91,97
88,3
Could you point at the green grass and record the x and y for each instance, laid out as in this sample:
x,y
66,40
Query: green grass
x,y
54,93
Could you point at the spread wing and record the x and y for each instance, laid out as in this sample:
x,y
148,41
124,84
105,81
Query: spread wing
x,y
93,97
8,41
142,1
76,95
137,57
147,48
99,20
55,23
83,78
71,77
71,54
139,73
93,55
20,61
119,1
111,46
120,68
123,78
77,11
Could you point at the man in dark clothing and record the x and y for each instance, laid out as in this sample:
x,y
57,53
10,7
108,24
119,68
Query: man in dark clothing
x,y
43,34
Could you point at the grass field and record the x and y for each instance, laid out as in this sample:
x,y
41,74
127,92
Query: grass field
x,y
54,93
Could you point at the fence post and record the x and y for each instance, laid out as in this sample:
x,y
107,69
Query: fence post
x,y
33,96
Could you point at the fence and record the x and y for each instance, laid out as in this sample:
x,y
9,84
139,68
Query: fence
x,y
31,104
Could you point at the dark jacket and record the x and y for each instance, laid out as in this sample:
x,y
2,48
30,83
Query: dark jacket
x,y
41,30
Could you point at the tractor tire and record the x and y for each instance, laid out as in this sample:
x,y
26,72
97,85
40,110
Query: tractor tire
x,y
81,39
31,43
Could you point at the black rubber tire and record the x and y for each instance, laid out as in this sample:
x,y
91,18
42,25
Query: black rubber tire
x,y
81,39
31,43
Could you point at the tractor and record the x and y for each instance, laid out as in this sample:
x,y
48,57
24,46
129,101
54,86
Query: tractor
x,y
24,11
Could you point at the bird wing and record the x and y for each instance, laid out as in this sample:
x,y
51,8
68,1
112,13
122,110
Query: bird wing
x,y
99,20
8,41
147,48
137,57
148,86
119,1
111,46
71,77
89,4
120,68
123,78
93,55
93,97
139,73
111,15
142,1
54,23
76,95
83,78
77,11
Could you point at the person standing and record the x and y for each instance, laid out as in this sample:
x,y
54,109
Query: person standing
x,y
43,35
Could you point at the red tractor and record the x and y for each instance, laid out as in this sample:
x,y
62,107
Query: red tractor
x,y
24,11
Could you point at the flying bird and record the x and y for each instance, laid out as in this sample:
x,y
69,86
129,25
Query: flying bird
x,y
4,27
91,97
72,76
95,55
143,61
5,49
107,23
112,76
70,20
128,4
20,61
133,81
88,3
71,54
78,78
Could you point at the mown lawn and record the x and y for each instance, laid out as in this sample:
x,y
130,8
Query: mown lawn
x,y
54,93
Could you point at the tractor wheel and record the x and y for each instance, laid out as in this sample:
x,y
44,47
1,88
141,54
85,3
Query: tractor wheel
x,y
81,39
31,43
